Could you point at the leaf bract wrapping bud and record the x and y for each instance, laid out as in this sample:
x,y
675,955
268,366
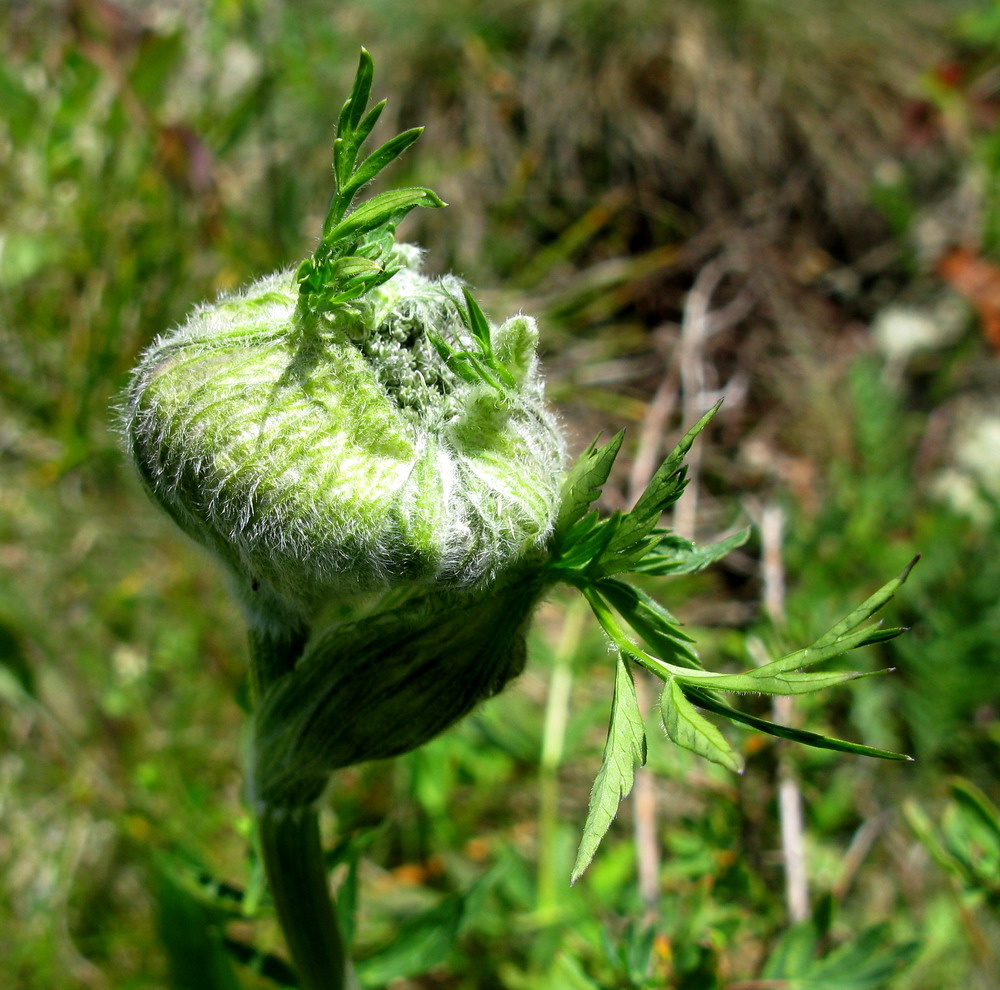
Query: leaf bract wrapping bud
x,y
386,684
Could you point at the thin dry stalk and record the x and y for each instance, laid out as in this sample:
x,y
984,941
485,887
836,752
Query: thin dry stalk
x,y
698,325
793,854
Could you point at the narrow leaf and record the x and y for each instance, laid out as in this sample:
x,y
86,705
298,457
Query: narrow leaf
x,y
812,655
379,159
361,91
360,133
692,731
667,558
475,320
624,751
704,699
387,207
752,682
658,629
866,608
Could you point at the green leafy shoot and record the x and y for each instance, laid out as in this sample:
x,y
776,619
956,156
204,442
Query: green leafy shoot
x,y
624,750
687,682
354,254
586,548
478,364
591,554
688,685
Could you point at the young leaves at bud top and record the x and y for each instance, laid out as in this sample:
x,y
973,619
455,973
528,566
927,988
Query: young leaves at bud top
x,y
477,364
354,252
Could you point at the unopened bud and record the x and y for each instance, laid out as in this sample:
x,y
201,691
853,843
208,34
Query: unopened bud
x,y
326,456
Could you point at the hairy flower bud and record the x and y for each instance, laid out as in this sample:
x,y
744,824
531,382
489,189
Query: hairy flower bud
x,y
328,455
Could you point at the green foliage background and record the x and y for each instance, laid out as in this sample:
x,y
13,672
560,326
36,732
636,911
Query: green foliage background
x,y
597,158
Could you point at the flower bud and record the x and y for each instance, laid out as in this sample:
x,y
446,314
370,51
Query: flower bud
x,y
329,455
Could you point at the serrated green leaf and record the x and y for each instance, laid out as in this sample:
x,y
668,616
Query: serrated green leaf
x,y
634,537
583,484
624,750
661,489
692,731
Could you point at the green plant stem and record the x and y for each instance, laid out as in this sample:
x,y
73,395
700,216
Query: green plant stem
x,y
296,874
291,849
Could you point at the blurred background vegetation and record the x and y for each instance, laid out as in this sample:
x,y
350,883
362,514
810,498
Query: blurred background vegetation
x,y
791,202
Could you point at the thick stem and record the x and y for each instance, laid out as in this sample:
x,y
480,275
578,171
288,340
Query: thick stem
x,y
296,874
291,849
